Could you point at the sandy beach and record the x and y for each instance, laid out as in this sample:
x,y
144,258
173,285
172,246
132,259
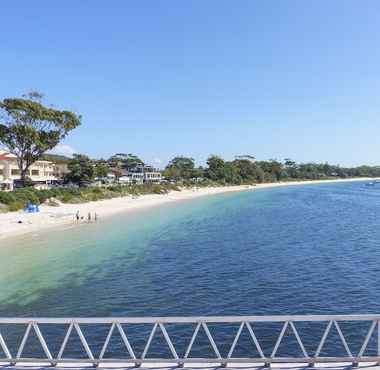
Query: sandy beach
x,y
49,217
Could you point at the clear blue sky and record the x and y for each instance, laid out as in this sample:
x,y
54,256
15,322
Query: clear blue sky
x,y
271,78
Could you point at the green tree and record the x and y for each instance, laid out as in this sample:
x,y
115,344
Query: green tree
x,y
180,168
231,173
247,170
198,172
274,170
101,169
28,128
81,168
216,168
291,168
125,161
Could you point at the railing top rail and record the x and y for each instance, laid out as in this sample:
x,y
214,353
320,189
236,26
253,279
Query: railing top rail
x,y
158,324
190,319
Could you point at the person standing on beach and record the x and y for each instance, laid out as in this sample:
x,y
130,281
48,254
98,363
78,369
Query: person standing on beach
x,y
89,217
77,216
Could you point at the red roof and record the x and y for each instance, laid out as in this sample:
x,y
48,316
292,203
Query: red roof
x,y
4,156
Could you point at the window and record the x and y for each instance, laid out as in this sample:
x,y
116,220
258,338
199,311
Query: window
x,y
35,172
15,172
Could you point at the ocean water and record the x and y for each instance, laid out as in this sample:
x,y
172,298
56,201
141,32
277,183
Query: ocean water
x,y
310,249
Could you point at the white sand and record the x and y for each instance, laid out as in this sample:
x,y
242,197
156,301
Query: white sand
x,y
65,213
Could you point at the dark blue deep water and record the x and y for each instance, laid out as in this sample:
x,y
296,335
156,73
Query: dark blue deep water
x,y
310,249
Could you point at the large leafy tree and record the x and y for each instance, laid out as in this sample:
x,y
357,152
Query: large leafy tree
x,y
125,161
291,168
180,168
101,168
28,128
246,169
273,169
216,168
82,169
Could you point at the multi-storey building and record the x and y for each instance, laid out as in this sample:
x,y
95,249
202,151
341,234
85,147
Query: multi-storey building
x,y
140,174
41,172
144,174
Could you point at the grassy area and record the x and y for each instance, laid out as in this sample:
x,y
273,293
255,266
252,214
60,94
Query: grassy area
x,y
18,199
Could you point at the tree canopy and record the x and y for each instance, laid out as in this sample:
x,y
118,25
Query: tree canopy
x,y
180,168
245,170
216,168
101,168
82,169
125,161
28,128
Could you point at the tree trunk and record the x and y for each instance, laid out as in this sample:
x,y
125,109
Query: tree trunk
x,y
23,176
23,168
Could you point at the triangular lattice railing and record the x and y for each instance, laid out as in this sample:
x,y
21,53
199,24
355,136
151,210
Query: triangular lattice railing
x,y
247,328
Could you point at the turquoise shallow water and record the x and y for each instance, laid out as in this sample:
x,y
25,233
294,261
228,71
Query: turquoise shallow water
x,y
294,250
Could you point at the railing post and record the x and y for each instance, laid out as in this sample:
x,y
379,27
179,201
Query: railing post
x,y
378,340
163,324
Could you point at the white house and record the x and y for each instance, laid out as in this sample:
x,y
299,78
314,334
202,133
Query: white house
x,y
145,174
125,180
139,175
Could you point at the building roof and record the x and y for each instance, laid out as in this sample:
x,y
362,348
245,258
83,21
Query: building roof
x,y
5,155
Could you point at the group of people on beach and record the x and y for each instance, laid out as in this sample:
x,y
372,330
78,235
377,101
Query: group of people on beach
x,y
89,217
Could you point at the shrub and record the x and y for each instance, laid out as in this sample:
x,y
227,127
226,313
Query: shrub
x,y
66,197
26,195
97,190
19,198
44,195
7,198
17,205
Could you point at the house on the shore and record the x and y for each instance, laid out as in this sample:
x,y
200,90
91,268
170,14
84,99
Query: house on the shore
x,y
143,174
61,170
41,173
138,175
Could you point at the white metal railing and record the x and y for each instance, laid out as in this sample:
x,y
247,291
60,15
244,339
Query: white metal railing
x,y
246,323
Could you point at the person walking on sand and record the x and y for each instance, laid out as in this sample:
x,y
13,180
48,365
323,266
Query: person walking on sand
x,y
89,217
77,216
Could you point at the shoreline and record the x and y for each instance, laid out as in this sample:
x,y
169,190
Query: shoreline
x,y
64,215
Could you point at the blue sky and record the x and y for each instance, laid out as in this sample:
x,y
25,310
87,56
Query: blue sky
x,y
271,78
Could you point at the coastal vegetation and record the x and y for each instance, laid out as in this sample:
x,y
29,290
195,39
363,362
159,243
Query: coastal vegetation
x,y
246,170
181,172
242,170
18,199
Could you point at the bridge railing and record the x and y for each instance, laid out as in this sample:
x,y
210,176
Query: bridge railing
x,y
117,326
